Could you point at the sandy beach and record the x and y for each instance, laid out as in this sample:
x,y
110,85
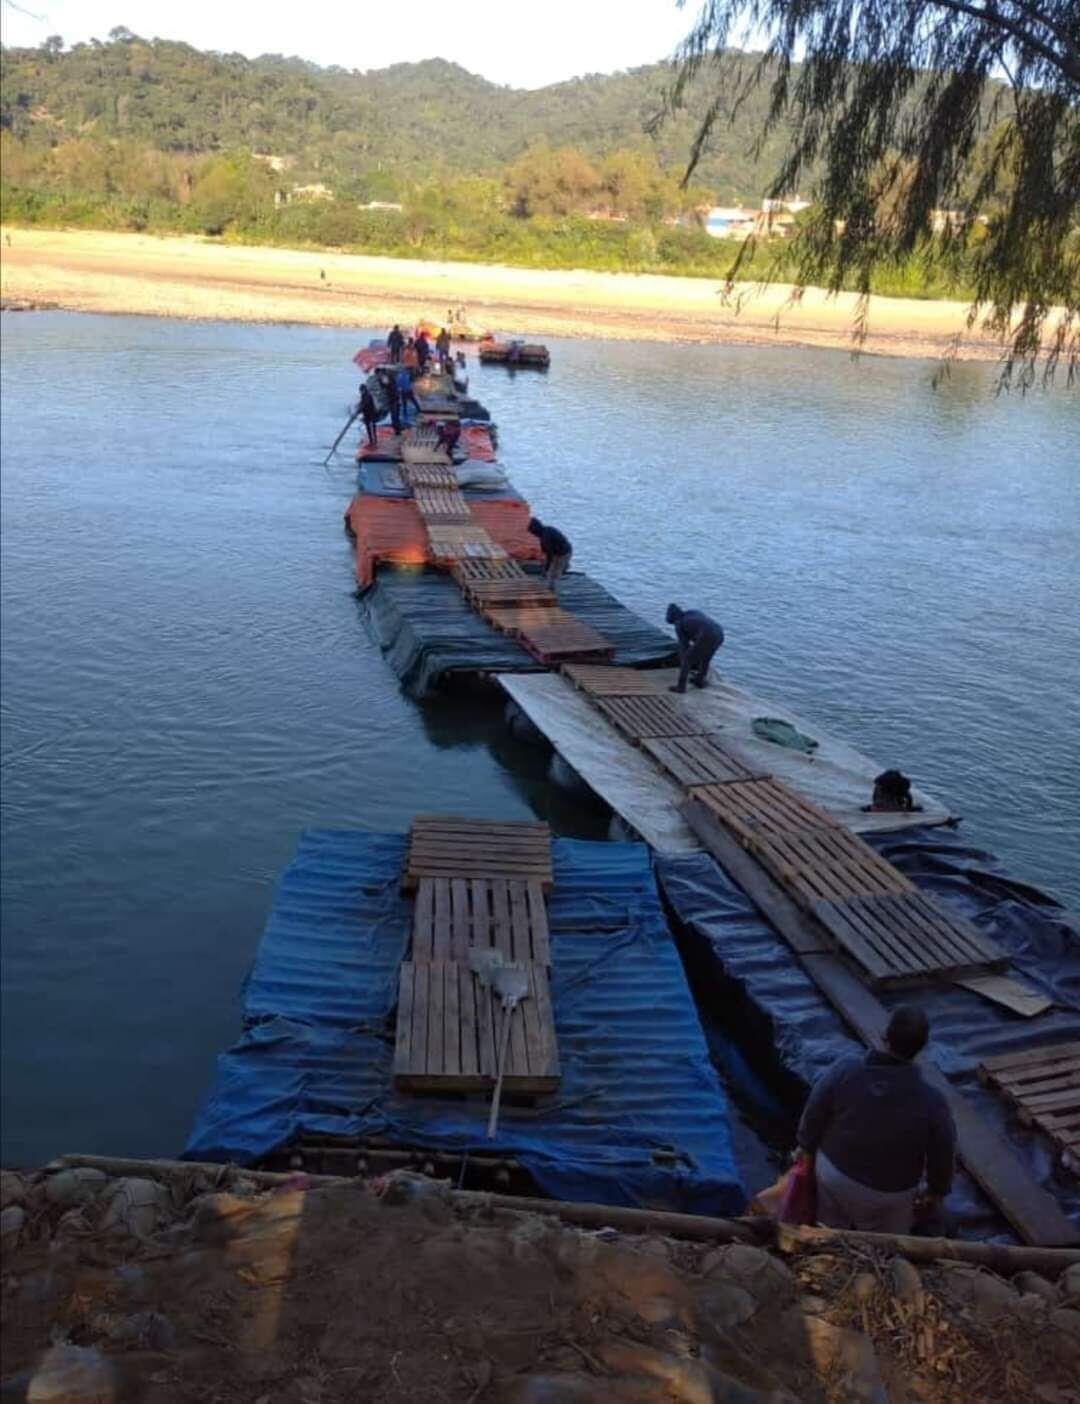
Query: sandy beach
x,y
87,271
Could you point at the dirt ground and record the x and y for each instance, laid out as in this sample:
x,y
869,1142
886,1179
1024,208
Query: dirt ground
x,y
194,278
391,1291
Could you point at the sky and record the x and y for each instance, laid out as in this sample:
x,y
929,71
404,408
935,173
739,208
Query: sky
x,y
507,41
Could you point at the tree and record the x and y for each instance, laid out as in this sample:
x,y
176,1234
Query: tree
x,y
895,107
52,47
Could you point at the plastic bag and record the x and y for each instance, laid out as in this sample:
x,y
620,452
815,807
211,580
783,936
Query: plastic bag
x,y
799,1202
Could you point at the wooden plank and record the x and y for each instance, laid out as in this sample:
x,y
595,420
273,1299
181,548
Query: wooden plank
x,y
403,1030
695,760
451,847
470,1029
530,1018
481,912
1021,1079
436,1022
538,920
440,937
1034,1214
1010,993
1047,1053
485,1026
520,943
418,1042
606,681
517,1058
637,717
542,989
502,934
452,1035
423,920
838,922
751,809
460,919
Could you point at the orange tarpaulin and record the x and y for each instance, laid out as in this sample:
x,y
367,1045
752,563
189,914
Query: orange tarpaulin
x,y
391,530
475,443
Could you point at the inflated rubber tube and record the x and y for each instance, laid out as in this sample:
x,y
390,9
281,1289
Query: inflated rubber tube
x,y
521,727
563,774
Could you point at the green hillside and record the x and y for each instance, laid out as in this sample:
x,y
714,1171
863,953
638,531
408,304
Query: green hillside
x,y
405,122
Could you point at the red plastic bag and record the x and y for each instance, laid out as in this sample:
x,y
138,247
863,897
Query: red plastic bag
x,y
799,1202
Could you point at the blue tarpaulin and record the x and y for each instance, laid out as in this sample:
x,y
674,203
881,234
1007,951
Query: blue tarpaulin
x,y
788,1020
377,478
639,1118
427,630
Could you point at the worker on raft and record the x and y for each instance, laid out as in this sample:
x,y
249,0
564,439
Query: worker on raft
x,y
699,638
369,413
395,343
874,1128
423,352
447,435
556,548
406,394
442,347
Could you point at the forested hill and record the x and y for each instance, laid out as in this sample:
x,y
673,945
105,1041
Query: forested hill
x,y
361,132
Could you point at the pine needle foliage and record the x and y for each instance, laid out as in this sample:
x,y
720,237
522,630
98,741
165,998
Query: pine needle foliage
x,y
896,119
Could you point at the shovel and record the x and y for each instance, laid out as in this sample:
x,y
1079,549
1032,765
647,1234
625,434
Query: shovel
x,y
511,984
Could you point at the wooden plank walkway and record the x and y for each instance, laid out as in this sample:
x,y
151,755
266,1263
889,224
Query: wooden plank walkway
x,y
436,475
611,681
450,542
445,846
696,760
754,808
516,593
1043,1084
549,633
441,504
467,571
453,914
448,1027
640,716
1033,1212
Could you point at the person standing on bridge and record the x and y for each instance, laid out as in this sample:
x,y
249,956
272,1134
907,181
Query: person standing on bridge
x,y
874,1128
395,344
699,638
442,346
369,413
556,548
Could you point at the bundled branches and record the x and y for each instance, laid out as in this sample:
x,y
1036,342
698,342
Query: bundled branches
x,y
944,128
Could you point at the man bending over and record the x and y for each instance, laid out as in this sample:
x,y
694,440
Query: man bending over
x,y
699,638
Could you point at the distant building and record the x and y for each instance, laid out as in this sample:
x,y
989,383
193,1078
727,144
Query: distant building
x,y
380,205
311,192
276,163
730,221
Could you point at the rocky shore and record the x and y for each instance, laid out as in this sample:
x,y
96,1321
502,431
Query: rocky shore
x,y
210,1283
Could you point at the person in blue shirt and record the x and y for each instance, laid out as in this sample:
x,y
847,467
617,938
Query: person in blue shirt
x,y
699,638
406,395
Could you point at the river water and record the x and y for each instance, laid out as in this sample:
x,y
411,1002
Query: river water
x,y
187,683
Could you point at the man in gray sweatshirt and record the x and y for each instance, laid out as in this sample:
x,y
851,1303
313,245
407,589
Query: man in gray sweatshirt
x,y
875,1128
699,638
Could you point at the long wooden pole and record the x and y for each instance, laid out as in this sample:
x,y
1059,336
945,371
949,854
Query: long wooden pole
x,y
339,438
1003,1258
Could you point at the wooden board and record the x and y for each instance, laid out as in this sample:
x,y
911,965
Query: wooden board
x,y
1009,993
450,541
550,634
827,865
416,475
467,570
1032,1211
441,504
448,1024
696,760
753,808
640,716
520,592
450,847
1043,1084
612,682
905,937
452,914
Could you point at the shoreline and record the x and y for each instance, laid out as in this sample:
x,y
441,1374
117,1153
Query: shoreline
x,y
195,279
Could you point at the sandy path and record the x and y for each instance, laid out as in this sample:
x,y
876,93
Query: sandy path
x,y
185,277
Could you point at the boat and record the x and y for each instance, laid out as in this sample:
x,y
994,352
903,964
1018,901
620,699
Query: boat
x,y
514,353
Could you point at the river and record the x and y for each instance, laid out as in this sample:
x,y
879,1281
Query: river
x,y
187,682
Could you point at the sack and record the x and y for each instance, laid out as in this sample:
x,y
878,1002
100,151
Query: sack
x,y
799,1203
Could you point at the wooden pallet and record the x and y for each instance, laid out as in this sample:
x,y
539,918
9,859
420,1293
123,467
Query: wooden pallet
x,y
827,865
444,846
441,504
1043,1084
696,760
751,808
612,682
450,542
467,570
439,475
550,634
448,1025
639,716
905,937
521,592
452,914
